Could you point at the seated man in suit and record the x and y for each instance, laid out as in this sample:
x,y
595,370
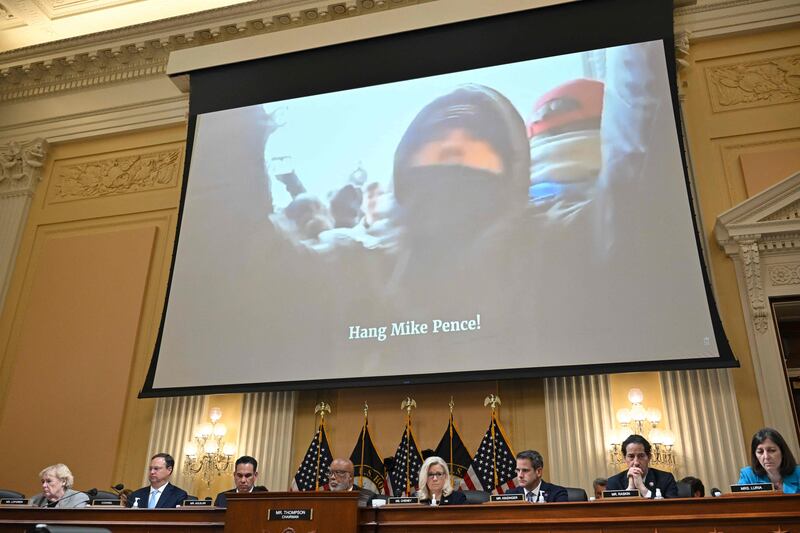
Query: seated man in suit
x,y
244,477
161,494
340,479
530,465
639,476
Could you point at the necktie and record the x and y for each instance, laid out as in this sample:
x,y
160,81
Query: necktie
x,y
151,503
530,496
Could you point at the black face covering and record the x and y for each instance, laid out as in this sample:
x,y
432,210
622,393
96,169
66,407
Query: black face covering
x,y
452,202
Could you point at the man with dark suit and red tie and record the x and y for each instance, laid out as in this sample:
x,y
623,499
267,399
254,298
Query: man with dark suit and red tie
x,y
530,465
161,494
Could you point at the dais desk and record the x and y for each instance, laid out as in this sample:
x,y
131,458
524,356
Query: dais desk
x,y
205,520
767,513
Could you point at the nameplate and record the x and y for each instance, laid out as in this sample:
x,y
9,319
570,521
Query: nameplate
x,y
620,494
752,487
13,501
507,498
289,514
105,502
197,503
393,500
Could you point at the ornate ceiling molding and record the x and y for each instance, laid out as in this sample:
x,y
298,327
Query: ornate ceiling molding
x,y
107,57
708,19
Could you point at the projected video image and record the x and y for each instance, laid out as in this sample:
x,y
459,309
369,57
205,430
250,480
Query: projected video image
x,y
519,216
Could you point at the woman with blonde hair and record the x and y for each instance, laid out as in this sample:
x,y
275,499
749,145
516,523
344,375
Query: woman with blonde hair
x,y
57,489
435,487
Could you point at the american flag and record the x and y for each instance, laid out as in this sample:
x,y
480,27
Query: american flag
x,y
404,476
494,467
313,471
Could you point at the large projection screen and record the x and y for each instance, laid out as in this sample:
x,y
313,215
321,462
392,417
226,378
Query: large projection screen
x,y
495,215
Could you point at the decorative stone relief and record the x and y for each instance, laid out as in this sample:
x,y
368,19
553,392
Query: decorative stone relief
x,y
784,274
787,212
755,83
118,175
21,167
748,250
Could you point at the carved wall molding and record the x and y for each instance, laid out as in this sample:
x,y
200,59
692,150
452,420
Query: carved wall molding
x,y
21,167
755,83
788,212
113,62
708,19
751,262
117,175
784,274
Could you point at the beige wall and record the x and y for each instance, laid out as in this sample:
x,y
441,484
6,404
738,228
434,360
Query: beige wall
x,y
83,307
82,311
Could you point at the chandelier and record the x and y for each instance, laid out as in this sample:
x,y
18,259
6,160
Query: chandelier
x,y
208,455
638,420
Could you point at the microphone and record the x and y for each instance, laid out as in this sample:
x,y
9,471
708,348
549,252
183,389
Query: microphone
x,y
716,493
91,493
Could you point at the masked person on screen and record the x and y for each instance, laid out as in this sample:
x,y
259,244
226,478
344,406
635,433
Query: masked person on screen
x,y
530,465
160,494
57,491
771,461
639,476
245,475
435,484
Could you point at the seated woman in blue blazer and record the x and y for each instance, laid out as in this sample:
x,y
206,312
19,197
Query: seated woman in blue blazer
x,y
771,461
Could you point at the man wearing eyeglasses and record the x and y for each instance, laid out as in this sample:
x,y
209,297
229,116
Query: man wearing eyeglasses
x,y
639,476
340,479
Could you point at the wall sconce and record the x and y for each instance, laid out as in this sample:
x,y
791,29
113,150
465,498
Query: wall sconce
x,y
638,420
208,454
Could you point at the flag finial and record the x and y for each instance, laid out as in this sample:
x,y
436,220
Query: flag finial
x,y
366,409
321,408
492,400
451,404
408,404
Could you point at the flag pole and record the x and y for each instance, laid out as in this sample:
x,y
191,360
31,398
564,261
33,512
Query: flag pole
x,y
494,401
363,438
450,430
408,404
320,408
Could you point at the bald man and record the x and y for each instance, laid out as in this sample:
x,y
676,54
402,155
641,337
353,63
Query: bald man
x,y
340,479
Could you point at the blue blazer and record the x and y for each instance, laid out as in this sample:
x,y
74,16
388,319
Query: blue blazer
x,y
171,497
791,483
552,493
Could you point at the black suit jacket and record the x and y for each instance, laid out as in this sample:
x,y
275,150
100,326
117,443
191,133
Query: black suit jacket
x,y
222,499
655,479
454,498
552,493
171,497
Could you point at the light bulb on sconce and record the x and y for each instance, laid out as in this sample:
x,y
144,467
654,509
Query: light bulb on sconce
x,y
216,456
635,420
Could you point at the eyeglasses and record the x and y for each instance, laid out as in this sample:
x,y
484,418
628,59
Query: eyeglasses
x,y
435,474
338,473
